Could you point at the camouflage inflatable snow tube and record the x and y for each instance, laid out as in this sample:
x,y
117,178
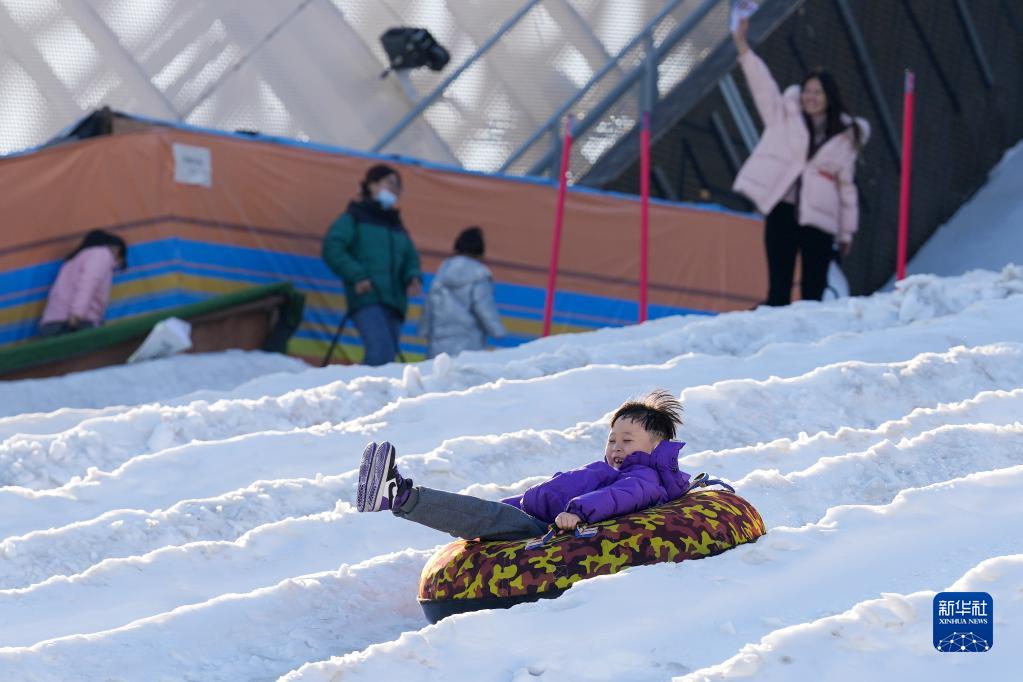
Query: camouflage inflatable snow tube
x,y
468,575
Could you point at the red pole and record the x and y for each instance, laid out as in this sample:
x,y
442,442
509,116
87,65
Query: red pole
x,y
907,164
644,213
559,221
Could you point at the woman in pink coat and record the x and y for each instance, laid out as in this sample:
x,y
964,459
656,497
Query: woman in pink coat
x,y
78,298
801,174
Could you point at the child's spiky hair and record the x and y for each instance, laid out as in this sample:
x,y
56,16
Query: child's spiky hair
x,y
658,411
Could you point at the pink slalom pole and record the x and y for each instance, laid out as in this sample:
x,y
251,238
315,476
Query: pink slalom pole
x,y
907,165
644,213
559,221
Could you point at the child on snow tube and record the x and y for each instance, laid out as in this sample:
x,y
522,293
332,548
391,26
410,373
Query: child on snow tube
x,y
639,470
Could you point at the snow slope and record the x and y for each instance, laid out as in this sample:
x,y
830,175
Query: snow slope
x,y
161,379
211,535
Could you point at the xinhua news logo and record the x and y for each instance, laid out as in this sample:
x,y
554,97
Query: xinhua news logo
x,y
963,622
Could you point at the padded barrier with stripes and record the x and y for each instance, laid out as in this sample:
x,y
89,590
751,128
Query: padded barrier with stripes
x,y
261,218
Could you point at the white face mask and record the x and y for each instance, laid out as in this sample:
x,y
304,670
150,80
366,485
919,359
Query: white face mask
x,y
387,198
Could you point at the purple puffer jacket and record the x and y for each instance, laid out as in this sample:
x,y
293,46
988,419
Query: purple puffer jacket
x,y
598,491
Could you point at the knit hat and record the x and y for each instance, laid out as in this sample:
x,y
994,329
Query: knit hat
x,y
470,242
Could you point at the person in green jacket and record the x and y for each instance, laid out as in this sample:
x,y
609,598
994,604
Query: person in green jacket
x,y
369,248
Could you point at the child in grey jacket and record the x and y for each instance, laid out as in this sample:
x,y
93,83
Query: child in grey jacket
x,y
460,311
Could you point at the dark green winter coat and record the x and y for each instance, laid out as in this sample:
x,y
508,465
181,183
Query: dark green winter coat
x,y
370,242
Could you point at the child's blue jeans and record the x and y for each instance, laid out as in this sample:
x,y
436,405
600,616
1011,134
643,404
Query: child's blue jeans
x,y
468,517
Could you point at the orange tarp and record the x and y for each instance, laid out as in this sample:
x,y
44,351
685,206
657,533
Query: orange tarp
x,y
282,198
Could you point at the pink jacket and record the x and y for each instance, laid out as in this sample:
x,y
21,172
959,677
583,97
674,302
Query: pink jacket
x,y
827,198
82,288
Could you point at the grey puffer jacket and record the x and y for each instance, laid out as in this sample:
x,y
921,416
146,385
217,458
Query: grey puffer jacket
x,y
460,311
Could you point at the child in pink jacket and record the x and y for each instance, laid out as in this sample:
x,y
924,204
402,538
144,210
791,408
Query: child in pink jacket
x,y
78,298
801,174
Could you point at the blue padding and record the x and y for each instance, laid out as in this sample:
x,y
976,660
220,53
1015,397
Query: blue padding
x,y
309,275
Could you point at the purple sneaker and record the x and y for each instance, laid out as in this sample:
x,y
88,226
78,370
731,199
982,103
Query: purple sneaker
x,y
364,469
381,487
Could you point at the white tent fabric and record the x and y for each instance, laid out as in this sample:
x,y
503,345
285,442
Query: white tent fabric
x,y
310,69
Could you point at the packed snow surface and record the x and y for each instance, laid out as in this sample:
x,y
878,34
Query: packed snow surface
x,y
202,527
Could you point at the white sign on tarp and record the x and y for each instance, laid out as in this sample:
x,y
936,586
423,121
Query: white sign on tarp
x,y
193,165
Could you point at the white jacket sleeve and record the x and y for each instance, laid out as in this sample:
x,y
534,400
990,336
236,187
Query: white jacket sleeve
x,y
763,87
484,307
849,208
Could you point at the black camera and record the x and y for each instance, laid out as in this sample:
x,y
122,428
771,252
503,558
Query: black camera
x,y
410,48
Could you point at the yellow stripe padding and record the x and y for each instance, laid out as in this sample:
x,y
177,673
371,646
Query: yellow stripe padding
x,y
215,285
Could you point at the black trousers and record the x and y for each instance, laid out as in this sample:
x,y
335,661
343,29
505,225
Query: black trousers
x,y
783,239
